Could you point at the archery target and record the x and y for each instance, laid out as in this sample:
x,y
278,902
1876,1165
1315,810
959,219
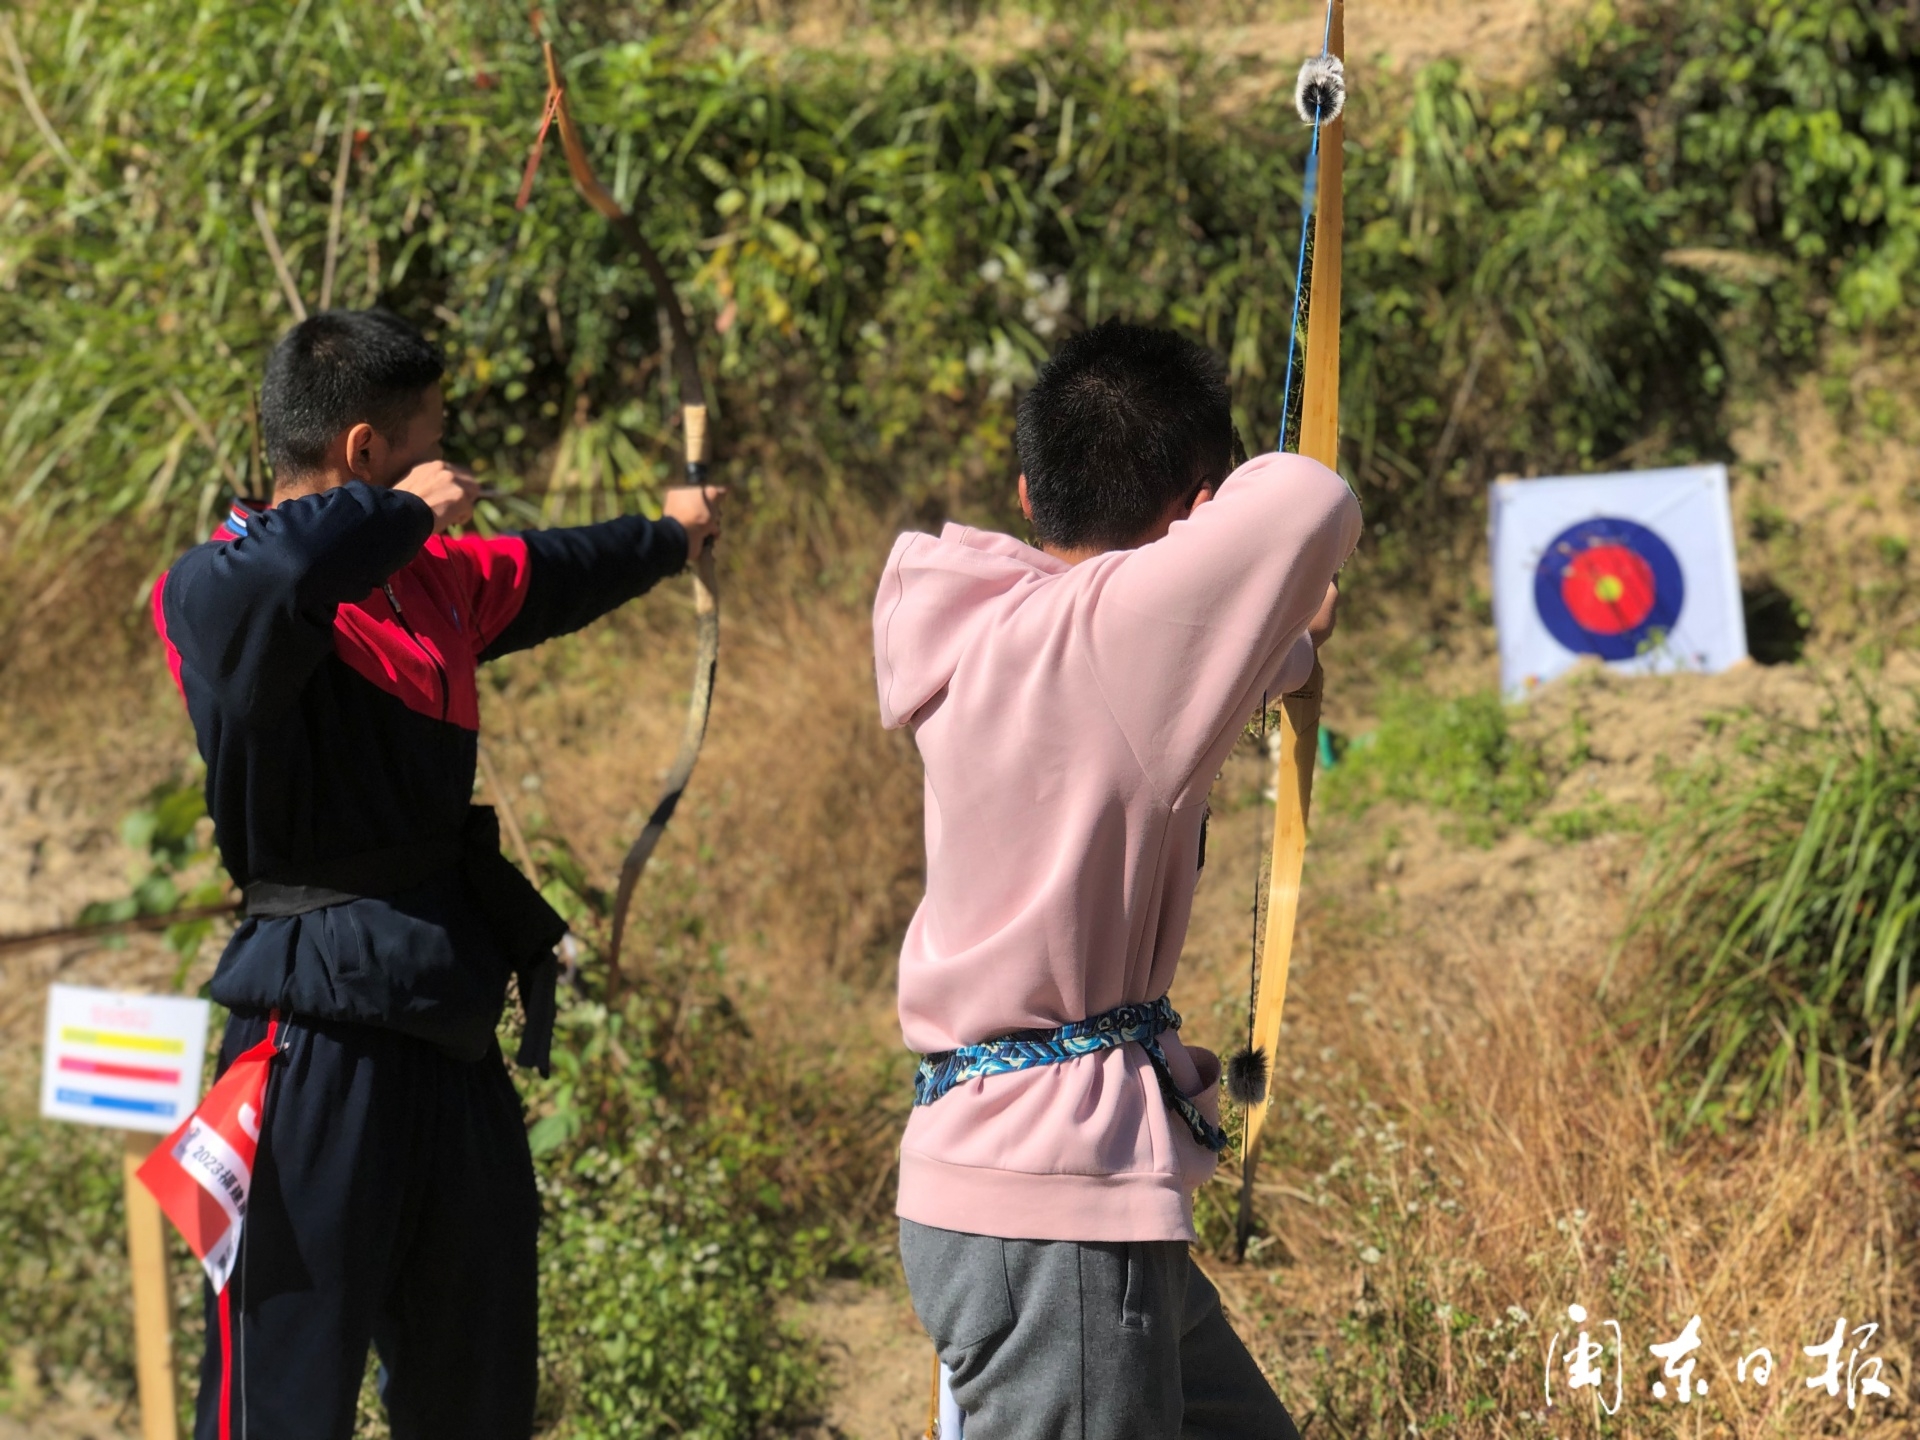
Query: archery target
x,y
1637,570
1608,587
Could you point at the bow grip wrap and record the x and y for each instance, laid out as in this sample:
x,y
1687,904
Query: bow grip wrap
x,y
693,419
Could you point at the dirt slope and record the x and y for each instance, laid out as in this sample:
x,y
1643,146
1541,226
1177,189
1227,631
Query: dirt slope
x,y
1493,38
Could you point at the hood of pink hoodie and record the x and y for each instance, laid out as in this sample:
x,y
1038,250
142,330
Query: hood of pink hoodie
x,y
1071,720
936,599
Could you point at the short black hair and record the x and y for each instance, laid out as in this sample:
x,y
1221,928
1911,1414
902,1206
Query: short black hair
x,y
331,372
1120,425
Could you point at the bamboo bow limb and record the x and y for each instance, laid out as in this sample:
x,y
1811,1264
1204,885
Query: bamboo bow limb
x,y
1300,711
706,588
1293,802
693,391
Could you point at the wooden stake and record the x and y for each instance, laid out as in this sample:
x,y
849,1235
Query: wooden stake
x,y
152,1301
1300,712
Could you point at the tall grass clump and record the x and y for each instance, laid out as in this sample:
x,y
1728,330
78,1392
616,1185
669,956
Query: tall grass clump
x,y
1781,916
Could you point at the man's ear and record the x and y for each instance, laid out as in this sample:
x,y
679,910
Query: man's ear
x,y
362,462
1026,505
1206,494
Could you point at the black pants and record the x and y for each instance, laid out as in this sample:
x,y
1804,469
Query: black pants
x,y
393,1202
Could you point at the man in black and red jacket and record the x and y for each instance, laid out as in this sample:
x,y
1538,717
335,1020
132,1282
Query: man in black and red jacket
x,y
326,648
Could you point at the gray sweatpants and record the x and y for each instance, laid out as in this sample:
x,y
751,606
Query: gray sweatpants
x,y
1062,1340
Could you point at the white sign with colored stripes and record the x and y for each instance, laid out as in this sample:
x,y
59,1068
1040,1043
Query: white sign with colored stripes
x,y
128,1061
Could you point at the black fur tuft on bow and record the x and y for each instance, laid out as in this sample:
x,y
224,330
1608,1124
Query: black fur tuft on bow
x,y
1247,1078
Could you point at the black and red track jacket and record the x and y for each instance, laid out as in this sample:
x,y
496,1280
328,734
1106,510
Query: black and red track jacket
x,y
327,652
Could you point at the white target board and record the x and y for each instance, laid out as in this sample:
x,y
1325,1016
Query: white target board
x,y
1636,569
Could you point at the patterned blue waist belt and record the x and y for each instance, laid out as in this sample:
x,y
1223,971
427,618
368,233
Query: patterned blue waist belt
x,y
1029,1049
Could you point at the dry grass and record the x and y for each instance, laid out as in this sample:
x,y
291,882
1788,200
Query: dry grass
x,y
77,656
1470,1147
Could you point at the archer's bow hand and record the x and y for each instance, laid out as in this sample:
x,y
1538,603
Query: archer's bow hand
x,y
448,490
697,508
1322,627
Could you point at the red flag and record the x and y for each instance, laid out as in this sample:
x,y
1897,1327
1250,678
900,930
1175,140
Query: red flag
x,y
202,1172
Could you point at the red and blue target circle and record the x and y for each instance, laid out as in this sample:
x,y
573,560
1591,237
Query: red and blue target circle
x,y
1607,587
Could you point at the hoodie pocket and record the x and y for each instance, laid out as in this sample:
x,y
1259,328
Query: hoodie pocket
x,y
1195,1162
1206,1097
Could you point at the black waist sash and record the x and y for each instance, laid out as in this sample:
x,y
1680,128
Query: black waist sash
x,y
354,877
520,923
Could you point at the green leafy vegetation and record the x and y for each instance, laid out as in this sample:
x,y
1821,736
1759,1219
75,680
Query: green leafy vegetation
x,y
1459,755
678,1193
1781,912
682,1202
687,1181
880,245
180,869
1586,819
672,1235
65,1307
63,1269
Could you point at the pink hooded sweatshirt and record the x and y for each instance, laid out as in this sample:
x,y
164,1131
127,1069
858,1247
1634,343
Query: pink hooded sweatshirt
x,y
1071,720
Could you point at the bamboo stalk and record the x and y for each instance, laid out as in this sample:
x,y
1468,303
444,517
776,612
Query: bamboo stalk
x,y
340,170
287,287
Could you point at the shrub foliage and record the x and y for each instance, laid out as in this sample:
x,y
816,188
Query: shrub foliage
x,y
880,245
1459,755
670,1240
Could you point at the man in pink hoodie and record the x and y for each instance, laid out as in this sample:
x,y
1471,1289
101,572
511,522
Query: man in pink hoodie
x,y
1072,705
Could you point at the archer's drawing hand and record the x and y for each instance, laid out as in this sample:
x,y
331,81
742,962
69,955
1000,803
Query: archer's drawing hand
x,y
448,491
697,508
1329,616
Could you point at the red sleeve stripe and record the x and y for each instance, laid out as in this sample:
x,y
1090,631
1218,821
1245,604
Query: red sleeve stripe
x,y
160,624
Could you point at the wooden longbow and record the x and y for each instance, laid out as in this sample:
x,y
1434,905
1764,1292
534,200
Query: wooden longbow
x,y
694,433
1300,711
